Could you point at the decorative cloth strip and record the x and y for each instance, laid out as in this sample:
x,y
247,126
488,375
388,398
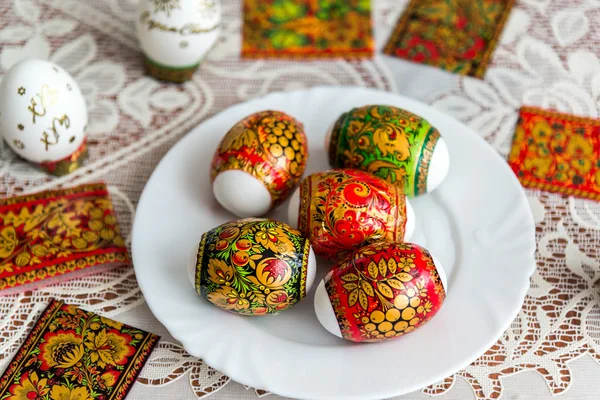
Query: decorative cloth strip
x,y
456,35
557,152
307,29
74,354
53,233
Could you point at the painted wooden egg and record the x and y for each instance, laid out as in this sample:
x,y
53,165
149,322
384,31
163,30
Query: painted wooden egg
x,y
392,143
175,35
253,266
382,291
342,210
43,115
258,163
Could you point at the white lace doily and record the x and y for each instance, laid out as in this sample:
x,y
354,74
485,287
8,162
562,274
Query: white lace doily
x,y
548,56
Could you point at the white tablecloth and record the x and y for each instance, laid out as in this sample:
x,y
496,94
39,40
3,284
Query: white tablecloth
x,y
548,56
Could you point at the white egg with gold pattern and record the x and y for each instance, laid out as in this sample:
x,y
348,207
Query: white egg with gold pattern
x,y
175,35
43,115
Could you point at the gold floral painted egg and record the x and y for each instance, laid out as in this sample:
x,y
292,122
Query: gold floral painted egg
x,y
253,266
258,163
382,291
342,210
392,143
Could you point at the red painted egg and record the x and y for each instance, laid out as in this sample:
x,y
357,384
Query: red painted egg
x,y
382,291
340,211
259,162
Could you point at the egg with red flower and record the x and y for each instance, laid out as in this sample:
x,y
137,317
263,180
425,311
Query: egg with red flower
x,y
342,210
258,163
380,292
253,266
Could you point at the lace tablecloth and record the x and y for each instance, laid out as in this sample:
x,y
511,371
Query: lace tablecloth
x,y
547,56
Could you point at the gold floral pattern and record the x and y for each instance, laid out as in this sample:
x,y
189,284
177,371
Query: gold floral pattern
x,y
269,145
456,35
109,347
309,29
386,141
61,350
52,233
30,387
66,393
384,291
252,266
229,299
342,210
557,152
94,359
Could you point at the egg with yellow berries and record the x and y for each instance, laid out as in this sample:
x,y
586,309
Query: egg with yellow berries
x,y
258,163
380,292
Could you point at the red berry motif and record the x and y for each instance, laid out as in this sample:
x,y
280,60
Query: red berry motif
x,y
243,245
262,270
240,258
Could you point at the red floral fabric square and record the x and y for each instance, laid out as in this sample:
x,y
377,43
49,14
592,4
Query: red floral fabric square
x,y
53,233
74,354
307,29
456,35
557,152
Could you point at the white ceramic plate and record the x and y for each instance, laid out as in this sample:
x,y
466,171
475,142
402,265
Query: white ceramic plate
x,y
478,223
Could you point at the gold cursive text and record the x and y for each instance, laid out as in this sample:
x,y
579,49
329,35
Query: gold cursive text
x,y
45,98
52,137
187,29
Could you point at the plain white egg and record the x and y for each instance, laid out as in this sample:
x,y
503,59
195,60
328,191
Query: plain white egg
x,y
43,115
191,265
253,201
324,309
294,209
439,165
177,34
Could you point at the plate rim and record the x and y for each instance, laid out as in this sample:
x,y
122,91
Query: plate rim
x,y
216,364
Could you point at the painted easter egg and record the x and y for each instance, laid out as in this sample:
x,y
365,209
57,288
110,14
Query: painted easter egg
x,y
342,210
253,266
258,163
392,143
382,291
43,115
175,35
